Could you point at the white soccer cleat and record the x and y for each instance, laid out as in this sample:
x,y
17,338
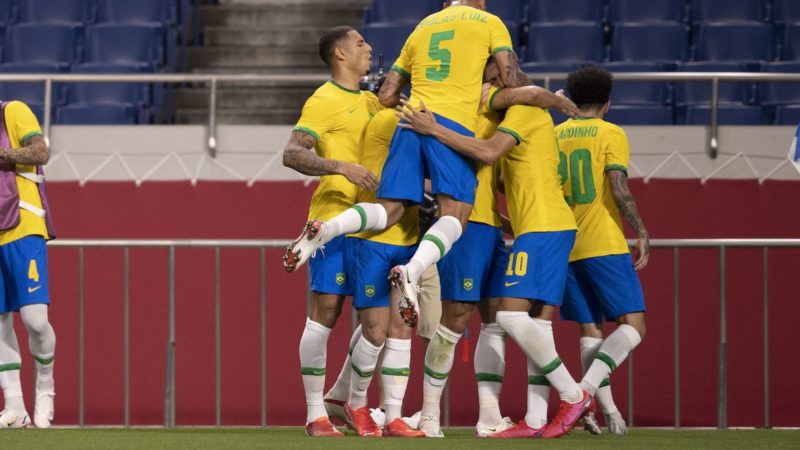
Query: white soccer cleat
x,y
413,421
409,305
14,419
590,424
616,424
378,416
309,241
44,409
430,426
482,430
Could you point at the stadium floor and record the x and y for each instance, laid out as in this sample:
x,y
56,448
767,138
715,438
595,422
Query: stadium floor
x,y
461,438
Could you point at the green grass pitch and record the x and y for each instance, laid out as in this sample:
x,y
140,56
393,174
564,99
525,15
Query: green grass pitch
x,y
460,439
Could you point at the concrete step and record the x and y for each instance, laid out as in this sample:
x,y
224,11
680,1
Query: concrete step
x,y
245,98
296,37
291,14
247,58
239,116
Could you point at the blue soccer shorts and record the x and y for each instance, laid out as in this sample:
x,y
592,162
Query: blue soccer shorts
x,y
602,288
536,268
473,268
23,273
328,273
414,157
368,265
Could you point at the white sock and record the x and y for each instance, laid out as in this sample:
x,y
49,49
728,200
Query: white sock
x,y
363,362
313,352
359,217
10,363
538,396
589,347
42,341
490,367
341,389
394,374
434,245
535,338
612,353
438,362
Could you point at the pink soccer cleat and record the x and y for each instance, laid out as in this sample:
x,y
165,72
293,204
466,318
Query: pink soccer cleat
x,y
518,431
567,417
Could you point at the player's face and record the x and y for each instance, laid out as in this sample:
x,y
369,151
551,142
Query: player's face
x,y
358,53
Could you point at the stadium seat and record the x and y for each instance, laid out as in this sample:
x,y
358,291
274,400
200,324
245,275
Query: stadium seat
x,y
565,43
162,12
32,93
566,11
125,44
791,43
787,115
638,42
96,114
60,11
7,12
727,10
785,11
734,42
699,92
515,30
728,115
640,92
136,94
394,11
647,11
387,39
780,93
508,10
55,44
639,114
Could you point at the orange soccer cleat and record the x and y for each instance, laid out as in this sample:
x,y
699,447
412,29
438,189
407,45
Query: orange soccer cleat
x,y
362,422
322,427
398,428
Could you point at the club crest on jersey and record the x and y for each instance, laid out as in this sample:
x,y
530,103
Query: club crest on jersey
x,y
369,290
340,278
468,284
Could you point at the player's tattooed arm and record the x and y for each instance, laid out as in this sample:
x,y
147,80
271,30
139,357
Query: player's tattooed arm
x,y
390,93
511,74
627,207
299,155
534,96
34,151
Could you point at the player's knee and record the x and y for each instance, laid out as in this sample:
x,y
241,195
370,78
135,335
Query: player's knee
x,y
36,325
375,333
394,211
635,320
456,315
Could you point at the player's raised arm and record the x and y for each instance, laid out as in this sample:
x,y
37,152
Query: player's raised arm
x,y
511,74
533,96
627,207
299,155
392,89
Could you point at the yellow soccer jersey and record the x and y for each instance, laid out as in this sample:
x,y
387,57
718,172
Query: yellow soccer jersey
x,y
376,149
337,118
22,124
444,58
530,173
590,147
485,208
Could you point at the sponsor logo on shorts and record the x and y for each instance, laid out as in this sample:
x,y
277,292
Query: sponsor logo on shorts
x,y
469,283
340,278
369,290
511,284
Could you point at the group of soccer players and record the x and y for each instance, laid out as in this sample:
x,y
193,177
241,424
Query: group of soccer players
x,y
473,127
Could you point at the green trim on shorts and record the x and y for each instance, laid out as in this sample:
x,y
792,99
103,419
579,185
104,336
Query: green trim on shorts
x,y
538,380
608,360
315,371
437,241
480,376
436,375
552,366
512,133
402,372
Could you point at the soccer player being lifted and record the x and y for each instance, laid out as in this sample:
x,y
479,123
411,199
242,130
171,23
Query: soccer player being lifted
x,y
327,141
602,283
443,59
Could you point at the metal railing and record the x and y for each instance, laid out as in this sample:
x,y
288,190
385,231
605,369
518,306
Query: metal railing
x,y
263,245
214,80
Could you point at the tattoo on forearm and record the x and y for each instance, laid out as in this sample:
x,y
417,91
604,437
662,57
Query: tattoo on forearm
x,y
626,203
514,73
33,152
299,155
389,95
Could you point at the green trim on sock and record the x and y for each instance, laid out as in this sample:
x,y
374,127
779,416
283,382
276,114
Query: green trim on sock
x,y
538,380
362,374
401,372
552,366
44,361
10,366
363,215
435,240
316,371
437,375
608,360
488,377
604,383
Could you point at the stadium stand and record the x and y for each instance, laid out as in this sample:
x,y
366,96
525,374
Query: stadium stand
x,y
577,43
651,11
649,42
55,44
61,11
566,11
387,38
727,10
387,11
749,42
785,11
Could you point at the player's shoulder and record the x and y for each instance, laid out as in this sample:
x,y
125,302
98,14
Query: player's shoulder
x,y
612,129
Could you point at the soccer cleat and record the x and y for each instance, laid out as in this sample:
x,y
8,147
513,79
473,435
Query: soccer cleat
x,y
378,416
567,416
322,427
335,410
518,431
430,426
409,306
298,252
616,424
43,411
398,428
362,422
482,430
14,419
413,421
590,424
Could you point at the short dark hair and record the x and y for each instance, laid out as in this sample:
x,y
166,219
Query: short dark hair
x,y
589,86
329,40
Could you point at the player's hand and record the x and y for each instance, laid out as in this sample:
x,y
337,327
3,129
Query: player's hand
x,y
359,176
641,252
567,106
422,121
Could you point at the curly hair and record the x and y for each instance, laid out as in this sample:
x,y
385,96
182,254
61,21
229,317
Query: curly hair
x,y
589,86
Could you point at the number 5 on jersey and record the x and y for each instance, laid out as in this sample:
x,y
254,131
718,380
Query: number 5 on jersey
x,y
439,54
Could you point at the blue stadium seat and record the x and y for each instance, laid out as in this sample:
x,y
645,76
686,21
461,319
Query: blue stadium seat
x,y
136,94
728,115
162,12
780,93
96,114
734,42
787,115
59,11
394,11
515,30
638,42
647,11
699,92
791,43
566,10
7,11
534,68
387,39
640,114
32,93
55,44
508,10
727,10
651,93
125,44
785,11
565,43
